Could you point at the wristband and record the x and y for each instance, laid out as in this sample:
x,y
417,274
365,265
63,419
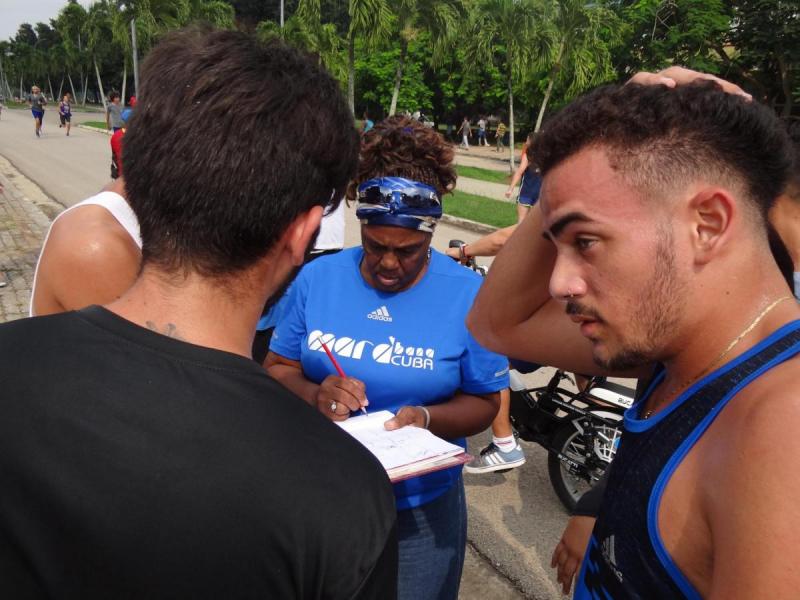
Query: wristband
x,y
427,416
462,252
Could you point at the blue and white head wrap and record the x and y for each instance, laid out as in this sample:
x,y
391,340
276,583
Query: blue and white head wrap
x,y
399,202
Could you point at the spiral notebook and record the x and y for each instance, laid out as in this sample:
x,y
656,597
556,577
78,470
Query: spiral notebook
x,y
405,452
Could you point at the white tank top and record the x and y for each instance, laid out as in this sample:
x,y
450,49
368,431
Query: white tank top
x,y
113,203
331,230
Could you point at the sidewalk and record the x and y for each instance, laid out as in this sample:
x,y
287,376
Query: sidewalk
x,y
23,225
479,187
483,157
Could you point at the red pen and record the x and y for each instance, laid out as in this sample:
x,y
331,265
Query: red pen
x,y
337,367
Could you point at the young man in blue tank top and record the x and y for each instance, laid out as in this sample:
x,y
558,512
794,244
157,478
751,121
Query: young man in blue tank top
x,y
651,237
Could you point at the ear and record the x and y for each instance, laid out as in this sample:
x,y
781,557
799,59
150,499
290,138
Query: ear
x,y
713,211
299,233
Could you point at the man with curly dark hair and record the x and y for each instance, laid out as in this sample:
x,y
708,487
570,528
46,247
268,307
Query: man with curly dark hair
x,y
393,312
143,452
652,238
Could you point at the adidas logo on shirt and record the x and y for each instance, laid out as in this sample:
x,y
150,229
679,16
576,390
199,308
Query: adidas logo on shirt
x,y
380,314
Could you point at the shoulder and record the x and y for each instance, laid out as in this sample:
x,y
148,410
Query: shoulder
x,y
443,266
758,429
346,259
17,336
90,236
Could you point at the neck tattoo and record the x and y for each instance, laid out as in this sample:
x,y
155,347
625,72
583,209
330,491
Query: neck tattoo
x,y
686,384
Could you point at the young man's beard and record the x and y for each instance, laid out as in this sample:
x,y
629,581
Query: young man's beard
x,y
278,294
659,311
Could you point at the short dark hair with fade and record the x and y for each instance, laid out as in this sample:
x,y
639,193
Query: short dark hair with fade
x,y
659,138
231,140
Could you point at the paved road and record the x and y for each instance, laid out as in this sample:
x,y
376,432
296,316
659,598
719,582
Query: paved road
x,y
515,518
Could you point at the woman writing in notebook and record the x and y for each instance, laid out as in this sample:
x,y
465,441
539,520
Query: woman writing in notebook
x,y
392,313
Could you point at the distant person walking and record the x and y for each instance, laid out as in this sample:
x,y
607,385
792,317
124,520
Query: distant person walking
x,y
531,182
65,112
116,145
367,123
482,132
466,132
499,135
37,102
114,113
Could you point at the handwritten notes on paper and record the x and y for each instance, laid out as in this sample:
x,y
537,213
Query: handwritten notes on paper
x,y
404,452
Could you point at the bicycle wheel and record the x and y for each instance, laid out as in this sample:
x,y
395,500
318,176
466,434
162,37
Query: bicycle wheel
x,y
570,482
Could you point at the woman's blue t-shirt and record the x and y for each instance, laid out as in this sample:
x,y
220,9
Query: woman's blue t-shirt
x,y
409,348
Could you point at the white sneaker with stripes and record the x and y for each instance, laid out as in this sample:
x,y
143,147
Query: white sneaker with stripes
x,y
492,459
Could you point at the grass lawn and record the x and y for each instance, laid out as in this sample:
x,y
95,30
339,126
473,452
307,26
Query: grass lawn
x,y
480,209
96,124
483,174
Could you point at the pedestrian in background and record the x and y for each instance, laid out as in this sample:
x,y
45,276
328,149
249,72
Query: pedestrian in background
x,y
482,132
499,135
65,112
37,102
114,112
466,132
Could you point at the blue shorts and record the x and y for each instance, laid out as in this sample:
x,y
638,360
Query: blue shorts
x,y
529,189
37,114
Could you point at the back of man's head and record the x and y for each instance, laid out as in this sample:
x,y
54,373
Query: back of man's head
x,y
231,140
662,140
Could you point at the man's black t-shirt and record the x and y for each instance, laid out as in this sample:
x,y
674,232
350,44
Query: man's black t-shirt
x,y
133,465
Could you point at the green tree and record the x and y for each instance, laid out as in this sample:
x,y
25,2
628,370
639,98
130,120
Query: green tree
x,y
574,42
375,76
100,38
304,30
70,24
663,33
764,50
441,19
371,21
501,32
368,20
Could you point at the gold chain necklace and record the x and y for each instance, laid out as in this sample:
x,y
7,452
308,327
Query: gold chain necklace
x,y
722,355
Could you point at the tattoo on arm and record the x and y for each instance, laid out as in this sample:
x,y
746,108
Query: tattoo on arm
x,y
168,330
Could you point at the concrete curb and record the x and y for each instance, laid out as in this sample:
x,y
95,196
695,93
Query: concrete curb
x,y
95,129
469,225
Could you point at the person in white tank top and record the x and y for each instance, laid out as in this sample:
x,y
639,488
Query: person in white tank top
x,y
91,254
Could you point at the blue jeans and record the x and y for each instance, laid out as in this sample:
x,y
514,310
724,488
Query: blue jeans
x,y
432,542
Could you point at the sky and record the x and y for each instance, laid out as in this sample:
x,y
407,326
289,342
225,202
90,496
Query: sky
x,y
14,13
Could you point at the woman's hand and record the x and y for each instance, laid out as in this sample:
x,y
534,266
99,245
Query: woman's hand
x,y
508,192
569,552
338,396
408,415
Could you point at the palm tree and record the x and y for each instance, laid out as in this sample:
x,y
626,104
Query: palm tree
x,y
216,12
99,37
369,20
441,18
312,36
70,25
503,31
574,44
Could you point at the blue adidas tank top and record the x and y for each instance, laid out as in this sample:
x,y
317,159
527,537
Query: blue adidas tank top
x,y
626,558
